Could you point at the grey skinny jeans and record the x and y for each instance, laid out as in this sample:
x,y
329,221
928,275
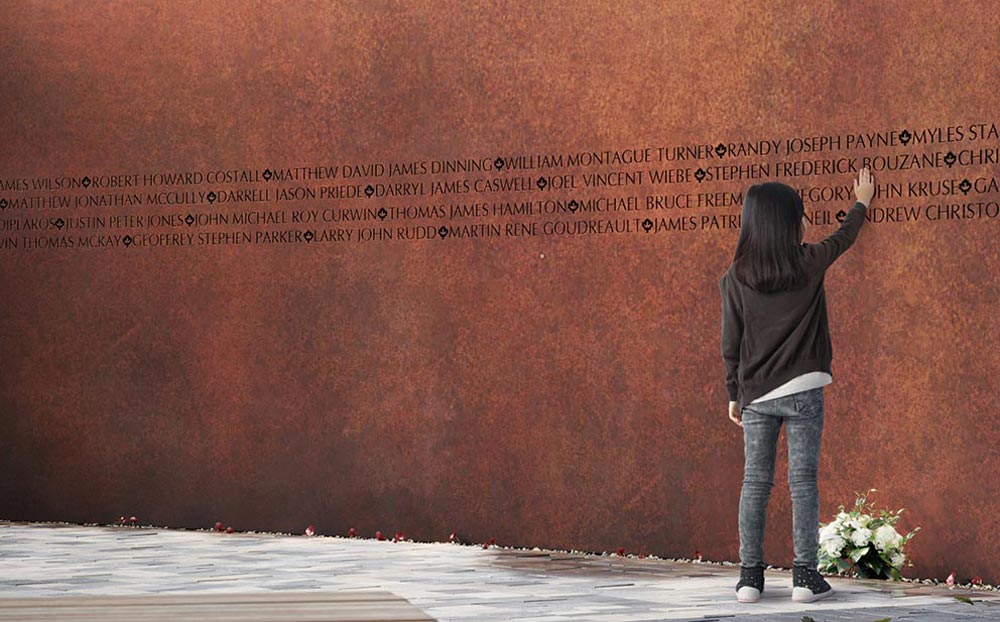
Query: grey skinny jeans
x,y
802,413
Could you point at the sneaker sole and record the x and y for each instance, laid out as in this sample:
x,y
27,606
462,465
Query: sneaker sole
x,y
805,595
748,594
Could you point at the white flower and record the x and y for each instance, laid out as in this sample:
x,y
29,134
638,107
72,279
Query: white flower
x,y
842,516
831,529
886,536
863,520
898,558
861,536
832,544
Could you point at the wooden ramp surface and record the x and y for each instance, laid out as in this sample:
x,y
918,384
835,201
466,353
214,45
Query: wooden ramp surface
x,y
300,606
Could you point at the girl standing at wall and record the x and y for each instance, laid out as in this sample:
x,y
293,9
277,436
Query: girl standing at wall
x,y
777,353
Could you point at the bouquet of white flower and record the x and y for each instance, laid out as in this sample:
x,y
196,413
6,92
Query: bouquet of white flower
x,y
857,544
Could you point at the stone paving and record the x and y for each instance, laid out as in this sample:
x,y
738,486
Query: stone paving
x,y
447,581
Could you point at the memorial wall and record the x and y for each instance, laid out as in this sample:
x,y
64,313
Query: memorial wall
x,y
440,267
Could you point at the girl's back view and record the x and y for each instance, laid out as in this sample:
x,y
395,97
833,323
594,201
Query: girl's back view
x,y
777,353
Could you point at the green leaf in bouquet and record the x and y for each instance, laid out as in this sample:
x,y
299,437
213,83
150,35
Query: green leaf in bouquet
x,y
859,553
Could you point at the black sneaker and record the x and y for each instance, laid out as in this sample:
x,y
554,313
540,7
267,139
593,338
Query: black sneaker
x,y
751,584
808,585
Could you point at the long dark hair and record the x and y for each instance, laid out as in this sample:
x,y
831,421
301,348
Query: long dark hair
x,y
768,254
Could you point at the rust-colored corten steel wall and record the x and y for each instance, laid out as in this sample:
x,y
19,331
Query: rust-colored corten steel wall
x,y
548,374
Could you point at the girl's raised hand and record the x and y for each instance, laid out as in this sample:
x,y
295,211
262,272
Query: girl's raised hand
x,y
864,186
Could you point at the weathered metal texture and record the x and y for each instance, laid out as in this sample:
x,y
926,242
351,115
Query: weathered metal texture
x,y
564,390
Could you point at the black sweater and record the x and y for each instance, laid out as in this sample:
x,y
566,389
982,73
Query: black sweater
x,y
768,339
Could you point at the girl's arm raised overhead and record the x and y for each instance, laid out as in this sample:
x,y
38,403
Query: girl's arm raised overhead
x,y
840,240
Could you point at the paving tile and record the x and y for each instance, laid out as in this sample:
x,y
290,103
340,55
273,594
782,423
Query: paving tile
x,y
448,581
